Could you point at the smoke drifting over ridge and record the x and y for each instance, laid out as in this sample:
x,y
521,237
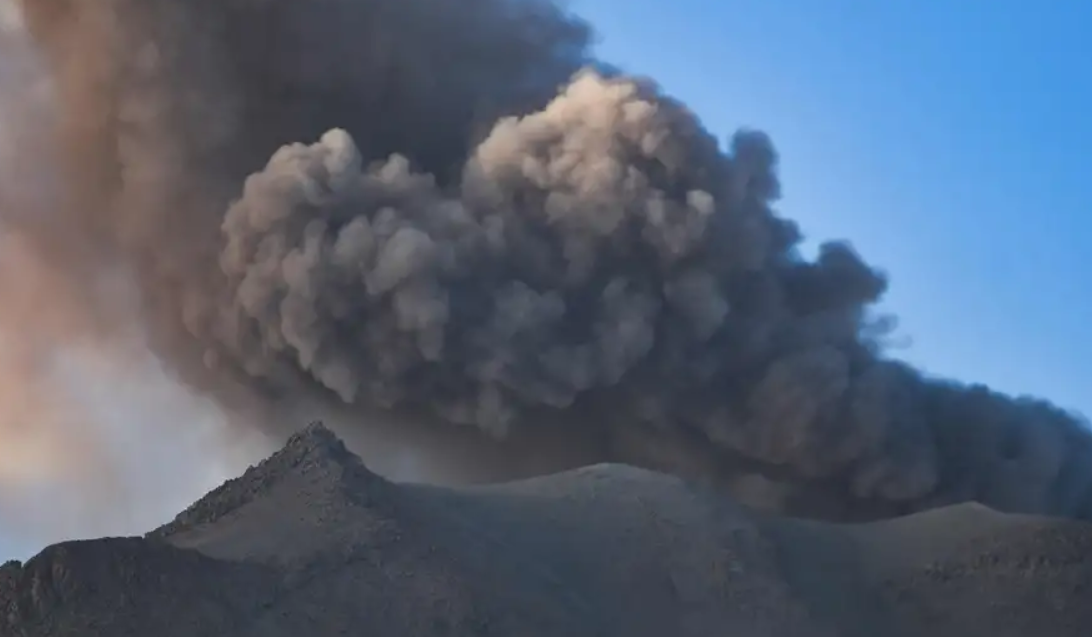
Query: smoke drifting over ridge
x,y
452,209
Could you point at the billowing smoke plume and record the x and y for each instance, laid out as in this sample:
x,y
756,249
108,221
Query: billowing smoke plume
x,y
451,211
79,391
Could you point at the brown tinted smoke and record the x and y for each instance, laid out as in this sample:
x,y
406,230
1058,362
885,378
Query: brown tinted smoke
x,y
443,207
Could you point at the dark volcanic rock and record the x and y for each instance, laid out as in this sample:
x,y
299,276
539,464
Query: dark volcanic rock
x,y
315,451
310,542
128,586
1034,578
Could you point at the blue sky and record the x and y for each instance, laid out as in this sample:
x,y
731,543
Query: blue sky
x,y
943,138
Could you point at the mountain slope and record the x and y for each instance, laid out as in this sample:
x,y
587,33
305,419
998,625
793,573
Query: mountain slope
x,y
311,542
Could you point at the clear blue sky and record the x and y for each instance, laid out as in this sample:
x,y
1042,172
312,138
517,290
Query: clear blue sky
x,y
947,139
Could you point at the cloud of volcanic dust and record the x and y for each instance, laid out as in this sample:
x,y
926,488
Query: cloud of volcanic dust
x,y
451,214
78,389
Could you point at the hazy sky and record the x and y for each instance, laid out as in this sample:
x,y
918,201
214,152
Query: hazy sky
x,y
946,139
941,137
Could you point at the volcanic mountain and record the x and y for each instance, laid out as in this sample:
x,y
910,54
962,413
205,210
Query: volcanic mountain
x,y
310,542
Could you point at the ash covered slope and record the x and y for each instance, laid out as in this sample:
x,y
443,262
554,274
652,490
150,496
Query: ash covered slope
x,y
311,542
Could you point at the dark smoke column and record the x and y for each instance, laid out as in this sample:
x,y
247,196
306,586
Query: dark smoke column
x,y
393,203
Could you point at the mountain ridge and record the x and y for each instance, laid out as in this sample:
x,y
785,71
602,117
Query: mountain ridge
x,y
311,541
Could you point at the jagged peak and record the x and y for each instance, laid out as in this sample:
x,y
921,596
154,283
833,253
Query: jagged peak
x,y
317,442
314,450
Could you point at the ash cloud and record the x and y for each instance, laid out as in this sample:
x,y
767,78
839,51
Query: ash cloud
x,y
453,213
79,393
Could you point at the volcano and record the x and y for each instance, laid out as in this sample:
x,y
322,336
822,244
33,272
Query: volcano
x,y
310,541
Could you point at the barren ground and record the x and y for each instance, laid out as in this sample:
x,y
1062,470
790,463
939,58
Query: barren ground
x,y
312,543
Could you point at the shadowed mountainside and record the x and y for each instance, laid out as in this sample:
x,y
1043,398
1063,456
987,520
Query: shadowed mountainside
x,y
311,542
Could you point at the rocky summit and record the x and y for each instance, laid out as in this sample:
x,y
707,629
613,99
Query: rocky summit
x,y
310,542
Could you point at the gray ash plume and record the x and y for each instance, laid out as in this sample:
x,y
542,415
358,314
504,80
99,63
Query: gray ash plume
x,y
453,208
